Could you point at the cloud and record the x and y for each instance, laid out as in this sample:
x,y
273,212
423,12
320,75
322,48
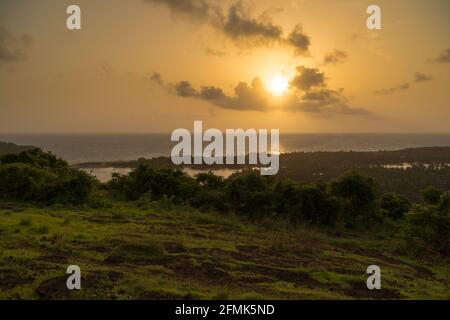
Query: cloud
x,y
422,77
312,95
299,40
185,89
195,9
308,93
217,53
444,57
156,77
246,96
14,48
392,90
237,23
307,78
335,57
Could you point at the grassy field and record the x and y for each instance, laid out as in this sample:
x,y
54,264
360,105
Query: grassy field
x,y
158,252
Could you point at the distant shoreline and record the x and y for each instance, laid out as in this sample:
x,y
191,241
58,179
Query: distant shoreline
x,y
420,155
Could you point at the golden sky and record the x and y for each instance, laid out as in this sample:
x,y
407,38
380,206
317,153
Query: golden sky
x,y
158,65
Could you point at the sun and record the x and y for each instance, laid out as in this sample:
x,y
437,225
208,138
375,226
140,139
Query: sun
x,y
278,85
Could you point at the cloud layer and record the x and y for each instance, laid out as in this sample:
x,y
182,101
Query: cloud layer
x,y
444,57
391,90
237,24
308,93
12,47
335,57
422,77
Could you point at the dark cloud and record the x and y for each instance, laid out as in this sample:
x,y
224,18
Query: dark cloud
x,y
238,24
308,78
212,93
308,93
299,40
335,57
185,89
444,57
156,77
312,95
195,9
392,90
12,47
422,77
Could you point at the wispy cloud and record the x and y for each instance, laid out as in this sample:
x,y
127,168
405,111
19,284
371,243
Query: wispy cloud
x,y
238,24
14,48
335,57
444,57
391,90
422,77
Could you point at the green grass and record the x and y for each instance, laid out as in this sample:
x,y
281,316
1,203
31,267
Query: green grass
x,y
161,252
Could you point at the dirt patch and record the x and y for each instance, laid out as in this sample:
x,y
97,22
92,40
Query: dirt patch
x,y
158,295
57,257
98,285
11,278
174,247
421,271
298,278
359,290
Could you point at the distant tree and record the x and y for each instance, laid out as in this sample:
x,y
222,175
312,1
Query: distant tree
x,y
431,195
394,206
305,203
36,158
427,228
358,194
38,176
249,192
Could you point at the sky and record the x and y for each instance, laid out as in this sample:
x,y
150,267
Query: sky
x,y
301,66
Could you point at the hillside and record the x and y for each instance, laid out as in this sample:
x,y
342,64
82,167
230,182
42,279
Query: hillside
x,y
156,251
8,147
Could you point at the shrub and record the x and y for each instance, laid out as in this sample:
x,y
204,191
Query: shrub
x,y
308,203
157,182
99,199
431,195
358,194
427,228
249,192
41,177
394,206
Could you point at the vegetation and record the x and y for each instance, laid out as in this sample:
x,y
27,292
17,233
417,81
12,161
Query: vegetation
x,y
41,177
8,148
160,233
429,166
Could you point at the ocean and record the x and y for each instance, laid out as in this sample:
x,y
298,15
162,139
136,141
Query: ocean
x,y
79,148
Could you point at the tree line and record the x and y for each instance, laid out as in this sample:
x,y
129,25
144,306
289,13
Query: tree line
x,y
352,200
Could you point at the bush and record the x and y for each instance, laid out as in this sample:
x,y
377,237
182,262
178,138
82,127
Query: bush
x,y
394,206
358,194
427,228
99,199
157,182
249,192
431,195
307,203
41,177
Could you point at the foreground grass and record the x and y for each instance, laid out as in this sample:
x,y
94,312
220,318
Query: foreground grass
x,y
151,252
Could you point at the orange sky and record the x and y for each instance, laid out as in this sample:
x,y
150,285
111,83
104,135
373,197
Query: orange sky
x,y
102,78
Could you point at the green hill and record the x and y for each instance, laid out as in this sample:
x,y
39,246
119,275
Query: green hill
x,y
157,252
8,147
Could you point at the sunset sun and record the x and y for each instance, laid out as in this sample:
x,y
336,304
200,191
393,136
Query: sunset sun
x,y
278,85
